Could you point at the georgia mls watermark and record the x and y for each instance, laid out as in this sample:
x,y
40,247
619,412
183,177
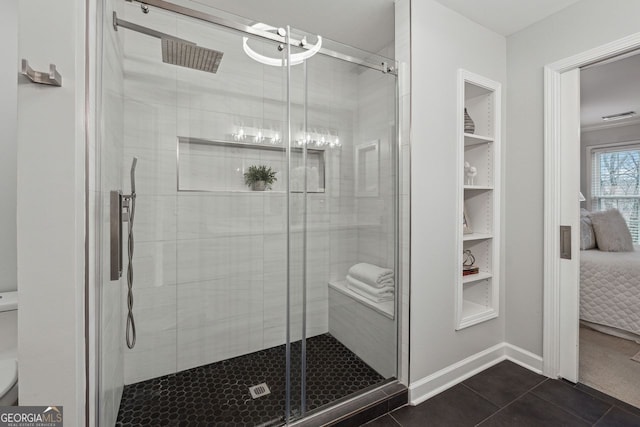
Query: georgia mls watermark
x,y
30,416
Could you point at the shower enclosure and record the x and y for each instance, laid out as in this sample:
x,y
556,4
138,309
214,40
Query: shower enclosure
x,y
243,315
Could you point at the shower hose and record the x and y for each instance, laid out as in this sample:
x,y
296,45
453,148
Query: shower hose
x,y
131,324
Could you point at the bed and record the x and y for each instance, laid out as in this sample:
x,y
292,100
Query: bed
x,y
610,289
609,275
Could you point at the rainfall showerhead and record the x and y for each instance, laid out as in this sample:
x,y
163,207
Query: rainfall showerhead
x,y
190,55
176,51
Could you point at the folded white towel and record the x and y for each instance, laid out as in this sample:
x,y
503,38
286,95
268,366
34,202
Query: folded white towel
x,y
372,274
353,283
385,282
385,297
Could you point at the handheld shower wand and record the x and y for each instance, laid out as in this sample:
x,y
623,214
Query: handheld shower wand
x,y
130,203
133,175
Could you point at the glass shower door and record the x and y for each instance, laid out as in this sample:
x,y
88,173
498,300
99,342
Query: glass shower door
x,y
210,259
343,212
234,292
232,234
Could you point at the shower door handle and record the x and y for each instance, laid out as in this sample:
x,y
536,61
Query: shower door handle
x,y
115,231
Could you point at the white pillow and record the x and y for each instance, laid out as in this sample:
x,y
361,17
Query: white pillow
x,y
612,232
587,235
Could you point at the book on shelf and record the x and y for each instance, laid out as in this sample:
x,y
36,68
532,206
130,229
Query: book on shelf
x,y
470,269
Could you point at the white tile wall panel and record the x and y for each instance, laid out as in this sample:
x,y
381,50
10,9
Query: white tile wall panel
x,y
224,252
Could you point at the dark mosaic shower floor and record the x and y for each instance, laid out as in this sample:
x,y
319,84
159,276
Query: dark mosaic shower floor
x,y
218,394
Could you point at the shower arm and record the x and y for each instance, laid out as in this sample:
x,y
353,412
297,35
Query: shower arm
x,y
117,22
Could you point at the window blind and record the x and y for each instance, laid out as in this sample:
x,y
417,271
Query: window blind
x,y
615,183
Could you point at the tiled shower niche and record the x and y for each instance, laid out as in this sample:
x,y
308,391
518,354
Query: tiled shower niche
x,y
208,165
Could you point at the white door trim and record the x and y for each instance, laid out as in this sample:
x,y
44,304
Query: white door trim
x,y
552,343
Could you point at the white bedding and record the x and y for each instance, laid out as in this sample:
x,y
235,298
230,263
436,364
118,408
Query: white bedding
x,y
610,288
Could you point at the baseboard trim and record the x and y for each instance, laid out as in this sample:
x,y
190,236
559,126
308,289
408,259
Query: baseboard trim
x,y
436,383
443,379
523,357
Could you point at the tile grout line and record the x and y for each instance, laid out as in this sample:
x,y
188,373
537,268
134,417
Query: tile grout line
x,y
394,419
575,414
479,395
620,404
484,398
508,404
604,415
571,413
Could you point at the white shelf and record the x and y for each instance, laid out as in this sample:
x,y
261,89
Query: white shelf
x,y
475,313
476,236
471,309
473,139
477,295
471,278
478,187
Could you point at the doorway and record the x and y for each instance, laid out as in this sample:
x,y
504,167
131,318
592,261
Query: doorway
x,y
610,184
562,193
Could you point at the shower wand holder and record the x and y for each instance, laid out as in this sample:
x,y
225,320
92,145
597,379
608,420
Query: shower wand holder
x,y
120,208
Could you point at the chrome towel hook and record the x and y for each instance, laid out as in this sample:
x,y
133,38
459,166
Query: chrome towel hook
x,y
52,78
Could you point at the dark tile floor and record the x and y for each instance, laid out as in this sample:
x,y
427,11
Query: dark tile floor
x,y
218,394
510,395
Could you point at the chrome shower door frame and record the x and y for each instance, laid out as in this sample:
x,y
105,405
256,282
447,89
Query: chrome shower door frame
x,y
289,42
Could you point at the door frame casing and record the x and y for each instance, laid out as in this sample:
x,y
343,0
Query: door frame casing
x,y
553,344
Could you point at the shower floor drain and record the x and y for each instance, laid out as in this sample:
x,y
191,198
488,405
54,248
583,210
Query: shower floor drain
x,y
259,390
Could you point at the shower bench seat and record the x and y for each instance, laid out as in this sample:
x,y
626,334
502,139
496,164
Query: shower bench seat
x,y
363,326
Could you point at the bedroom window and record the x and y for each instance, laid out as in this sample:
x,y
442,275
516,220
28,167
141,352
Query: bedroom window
x,y
615,183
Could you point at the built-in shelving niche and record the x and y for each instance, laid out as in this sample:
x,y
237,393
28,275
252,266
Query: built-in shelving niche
x,y
217,166
477,294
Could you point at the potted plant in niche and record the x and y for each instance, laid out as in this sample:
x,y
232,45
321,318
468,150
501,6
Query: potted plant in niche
x,y
259,178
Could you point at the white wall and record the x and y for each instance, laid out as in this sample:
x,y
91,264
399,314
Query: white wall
x,y
50,210
443,42
605,136
8,142
582,26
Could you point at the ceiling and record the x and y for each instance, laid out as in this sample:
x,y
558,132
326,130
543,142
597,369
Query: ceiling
x,y
506,16
608,89
369,24
365,24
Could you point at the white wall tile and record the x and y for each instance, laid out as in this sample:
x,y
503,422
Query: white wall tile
x,y
225,251
155,317
154,356
155,218
155,264
156,171
221,340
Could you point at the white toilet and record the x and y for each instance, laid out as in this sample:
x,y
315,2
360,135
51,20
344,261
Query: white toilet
x,y
8,348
